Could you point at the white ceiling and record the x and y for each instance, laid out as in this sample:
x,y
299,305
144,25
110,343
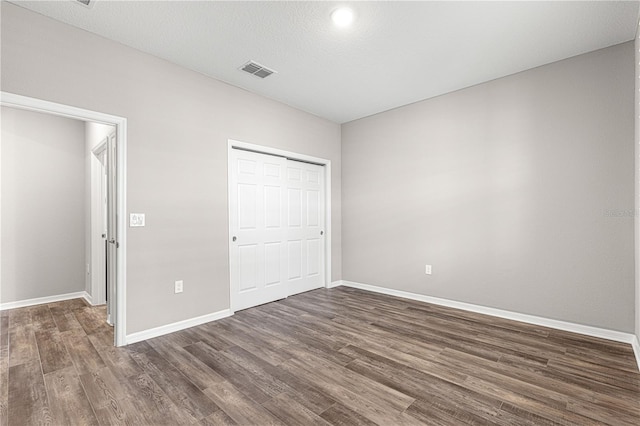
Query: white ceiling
x,y
394,54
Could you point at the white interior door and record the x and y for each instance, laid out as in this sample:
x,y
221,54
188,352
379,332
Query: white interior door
x,y
99,225
305,226
258,231
112,229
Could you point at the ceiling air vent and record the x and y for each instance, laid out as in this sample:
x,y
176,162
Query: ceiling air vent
x,y
87,3
256,69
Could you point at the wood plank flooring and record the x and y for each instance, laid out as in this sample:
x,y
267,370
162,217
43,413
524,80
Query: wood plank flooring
x,y
327,357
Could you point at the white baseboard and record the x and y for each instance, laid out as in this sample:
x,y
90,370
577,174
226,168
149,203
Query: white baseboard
x,y
47,299
88,298
587,330
635,343
334,284
176,326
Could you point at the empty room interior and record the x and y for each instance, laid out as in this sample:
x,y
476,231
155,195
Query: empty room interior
x,y
319,212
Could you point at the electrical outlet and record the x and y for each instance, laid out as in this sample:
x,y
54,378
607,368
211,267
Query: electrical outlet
x,y
179,286
136,219
427,269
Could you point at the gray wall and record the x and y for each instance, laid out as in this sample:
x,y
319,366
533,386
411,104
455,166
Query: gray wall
x,y
42,175
179,122
502,187
505,189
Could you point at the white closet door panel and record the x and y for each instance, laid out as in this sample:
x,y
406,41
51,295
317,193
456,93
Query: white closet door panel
x,y
257,208
294,207
272,207
273,263
294,174
247,167
313,176
313,256
248,262
313,205
308,181
272,170
247,205
294,259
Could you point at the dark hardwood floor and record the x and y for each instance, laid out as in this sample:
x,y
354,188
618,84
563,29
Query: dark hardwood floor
x,y
339,356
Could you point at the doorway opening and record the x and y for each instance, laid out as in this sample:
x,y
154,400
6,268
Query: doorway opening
x,y
108,183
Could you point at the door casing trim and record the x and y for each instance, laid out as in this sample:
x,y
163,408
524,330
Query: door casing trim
x,y
13,100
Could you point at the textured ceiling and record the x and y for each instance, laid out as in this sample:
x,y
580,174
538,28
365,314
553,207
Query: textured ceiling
x,y
394,54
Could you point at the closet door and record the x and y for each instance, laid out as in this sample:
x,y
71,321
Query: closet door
x,y
258,261
305,226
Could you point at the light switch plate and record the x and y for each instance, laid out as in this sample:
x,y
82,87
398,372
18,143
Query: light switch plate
x,y
136,219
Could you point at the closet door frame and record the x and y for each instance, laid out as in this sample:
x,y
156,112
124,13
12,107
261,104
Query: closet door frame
x,y
234,144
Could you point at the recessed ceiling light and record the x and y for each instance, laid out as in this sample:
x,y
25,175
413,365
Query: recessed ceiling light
x,y
342,17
